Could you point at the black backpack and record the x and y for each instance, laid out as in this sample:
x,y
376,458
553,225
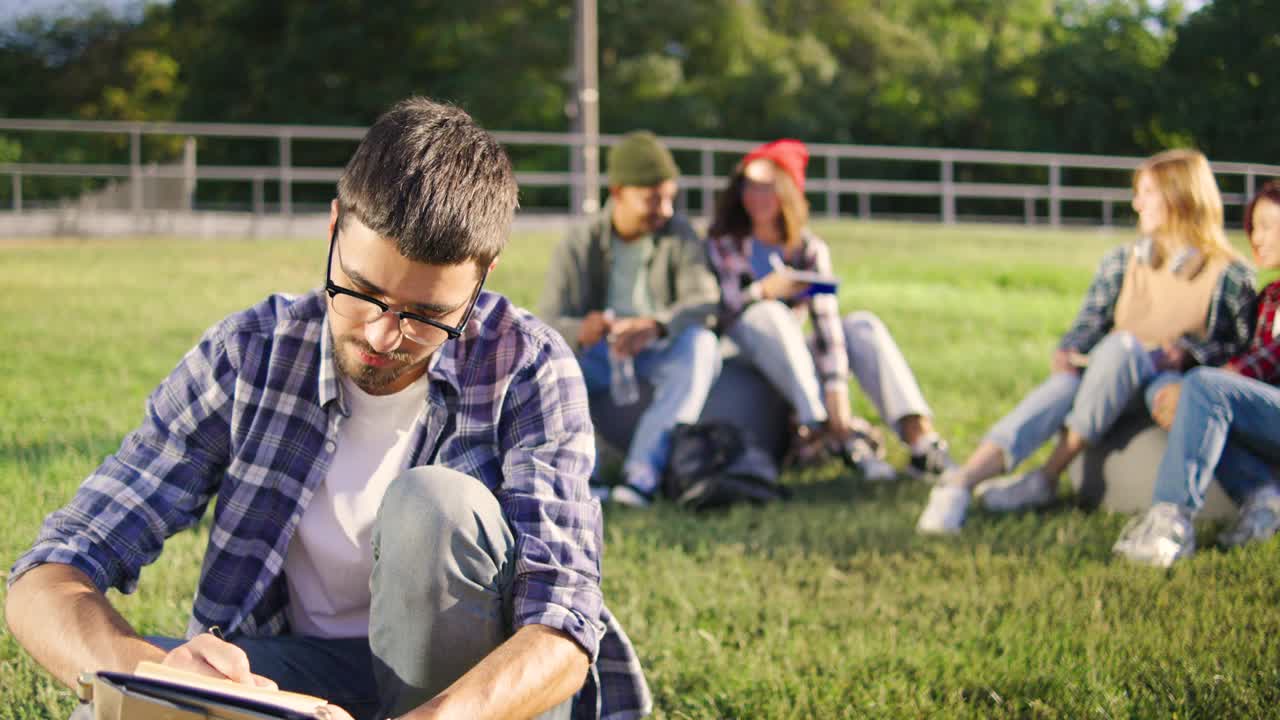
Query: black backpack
x,y
699,468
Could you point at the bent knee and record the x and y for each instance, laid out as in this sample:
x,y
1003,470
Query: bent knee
x,y
864,322
1121,341
698,343
433,494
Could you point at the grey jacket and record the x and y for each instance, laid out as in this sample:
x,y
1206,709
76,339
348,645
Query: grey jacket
x,y
682,287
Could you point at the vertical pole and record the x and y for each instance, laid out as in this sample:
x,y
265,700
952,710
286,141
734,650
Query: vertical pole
x,y
1029,210
1250,181
589,105
189,174
1107,213
135,173
286,175
707,180
17,192
833,195
864,206
259,197
1055,200
948,191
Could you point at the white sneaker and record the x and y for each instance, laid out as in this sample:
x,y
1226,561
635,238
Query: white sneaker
x,y
1160,537
1011,493
945,511
1258,520
629,497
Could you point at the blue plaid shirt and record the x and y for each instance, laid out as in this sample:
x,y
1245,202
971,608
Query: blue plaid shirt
x,y
251,415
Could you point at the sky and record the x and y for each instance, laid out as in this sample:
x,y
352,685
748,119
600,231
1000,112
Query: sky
x,y
11,10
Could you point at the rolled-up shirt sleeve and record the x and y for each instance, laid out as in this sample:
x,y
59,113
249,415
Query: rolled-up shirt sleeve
x,y
548,450
157,483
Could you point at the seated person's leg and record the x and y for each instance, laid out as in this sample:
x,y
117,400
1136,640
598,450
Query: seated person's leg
x,y
681,371
1119,368
1015,436
1227,423
442,575
770,338
887,379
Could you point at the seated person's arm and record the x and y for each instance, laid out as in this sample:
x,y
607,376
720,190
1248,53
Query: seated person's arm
x,y
1097,310
1230,322
158,483
564,295
56,613
533,671
547,449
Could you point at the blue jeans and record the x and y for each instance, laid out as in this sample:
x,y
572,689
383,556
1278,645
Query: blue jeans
x,y
1089,403
442,581
1226,424
681,371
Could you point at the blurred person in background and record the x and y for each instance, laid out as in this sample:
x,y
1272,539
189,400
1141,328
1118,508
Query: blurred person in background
x,y
758,239
1222,422
634,281
1172,300
400,460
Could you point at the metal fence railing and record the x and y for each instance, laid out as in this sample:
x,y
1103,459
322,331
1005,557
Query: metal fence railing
x,y
829,182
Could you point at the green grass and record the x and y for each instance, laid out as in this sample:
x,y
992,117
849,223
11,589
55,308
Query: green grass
x,y
827,606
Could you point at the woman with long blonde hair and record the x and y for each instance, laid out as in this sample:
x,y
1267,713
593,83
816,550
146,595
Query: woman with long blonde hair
x,y
1174,299
760,246
1224,423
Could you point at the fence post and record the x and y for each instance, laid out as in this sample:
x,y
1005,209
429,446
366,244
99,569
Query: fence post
x,y
16,179
286,175
189,174
1249,185
1055,202
948,191
864,205
135,173
259,196
1029,210
833,195
1106,213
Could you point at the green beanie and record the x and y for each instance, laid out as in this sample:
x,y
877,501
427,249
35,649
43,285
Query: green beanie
x,y
641,159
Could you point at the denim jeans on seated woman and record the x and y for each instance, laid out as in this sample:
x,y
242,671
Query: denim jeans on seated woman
x,y
1089,403
1227,425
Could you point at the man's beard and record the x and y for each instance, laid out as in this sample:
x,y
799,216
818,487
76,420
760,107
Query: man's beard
x,y
372,379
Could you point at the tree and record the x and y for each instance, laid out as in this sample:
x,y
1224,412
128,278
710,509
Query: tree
x,y
1223,80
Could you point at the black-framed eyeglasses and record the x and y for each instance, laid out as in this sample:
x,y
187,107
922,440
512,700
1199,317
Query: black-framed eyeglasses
x,y
365,309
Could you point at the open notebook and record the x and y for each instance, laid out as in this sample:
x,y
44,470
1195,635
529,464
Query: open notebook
x,y
819,284
157,691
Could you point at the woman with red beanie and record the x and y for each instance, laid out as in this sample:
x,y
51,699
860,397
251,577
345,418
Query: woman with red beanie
x,y
766,259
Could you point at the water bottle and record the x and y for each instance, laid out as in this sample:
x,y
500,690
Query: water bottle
x,y
623,386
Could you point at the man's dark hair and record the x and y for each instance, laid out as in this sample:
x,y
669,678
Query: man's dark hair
x,y
428,178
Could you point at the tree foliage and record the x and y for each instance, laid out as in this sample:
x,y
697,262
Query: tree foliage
x,y
1105,76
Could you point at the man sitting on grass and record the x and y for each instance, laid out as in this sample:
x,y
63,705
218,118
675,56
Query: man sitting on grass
x,y
400,462
643,262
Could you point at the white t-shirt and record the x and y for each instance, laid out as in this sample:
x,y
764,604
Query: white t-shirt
x,y
330,557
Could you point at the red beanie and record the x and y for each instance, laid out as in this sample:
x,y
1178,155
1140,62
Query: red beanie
x,y
790,155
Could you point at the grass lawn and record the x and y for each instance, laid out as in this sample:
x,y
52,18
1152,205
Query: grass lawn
x,y
827,606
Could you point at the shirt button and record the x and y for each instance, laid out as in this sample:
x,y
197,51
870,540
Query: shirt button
x,y
330,446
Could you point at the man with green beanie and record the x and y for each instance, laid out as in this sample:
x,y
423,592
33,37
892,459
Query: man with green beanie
x,y
634,281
